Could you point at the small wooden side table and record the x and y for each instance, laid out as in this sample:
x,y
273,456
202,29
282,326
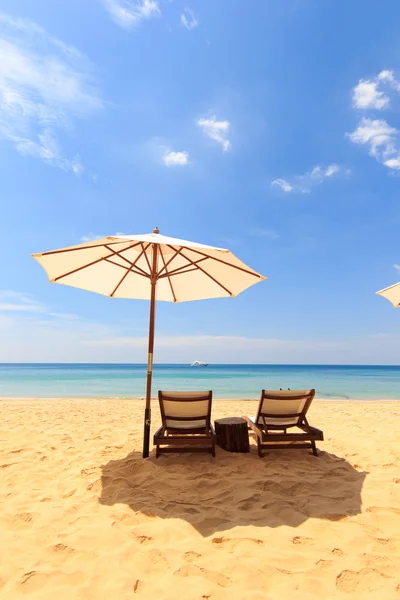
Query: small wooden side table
x,y
232,434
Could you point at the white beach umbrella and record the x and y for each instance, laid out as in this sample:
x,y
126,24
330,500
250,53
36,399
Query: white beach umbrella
x,y
149,267
391,293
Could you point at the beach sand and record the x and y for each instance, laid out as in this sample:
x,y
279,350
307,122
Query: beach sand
x,y
83,516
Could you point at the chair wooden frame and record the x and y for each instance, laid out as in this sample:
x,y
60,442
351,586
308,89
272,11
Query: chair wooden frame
x,y
273,435
184,439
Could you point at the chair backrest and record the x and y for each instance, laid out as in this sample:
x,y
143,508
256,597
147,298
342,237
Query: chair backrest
x,y
185,410
282,409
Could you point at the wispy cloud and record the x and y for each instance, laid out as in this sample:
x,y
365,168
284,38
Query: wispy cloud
x,y
304,183
266,233
378,135
11,301
44,86
19,302
188,19
129,14
88,237
216,130
283,184
397,267
174,159
381,140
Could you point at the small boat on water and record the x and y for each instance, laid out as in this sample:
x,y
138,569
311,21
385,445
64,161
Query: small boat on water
x,y
199,363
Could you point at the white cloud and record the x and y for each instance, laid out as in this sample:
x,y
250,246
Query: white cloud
x,y
388,77
380,137
366,95
268,233
88,237
44,85
397,267
282,183
58,337
171,158
304,183
216,130
11,301
188,19
393,163
20,302
332,170
129,14
381,140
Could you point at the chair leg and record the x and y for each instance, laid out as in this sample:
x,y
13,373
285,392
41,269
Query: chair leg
x,y
314,449
213,450
259,447
157,452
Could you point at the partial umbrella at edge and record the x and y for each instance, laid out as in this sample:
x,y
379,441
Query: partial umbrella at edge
x,y
391,293
149,267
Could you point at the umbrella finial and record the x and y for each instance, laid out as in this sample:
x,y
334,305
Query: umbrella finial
x,y
156,230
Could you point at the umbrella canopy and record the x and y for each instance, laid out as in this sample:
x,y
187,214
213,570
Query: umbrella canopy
x,y
149,267
391,293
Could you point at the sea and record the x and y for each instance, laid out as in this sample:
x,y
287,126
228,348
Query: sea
x,y
332,382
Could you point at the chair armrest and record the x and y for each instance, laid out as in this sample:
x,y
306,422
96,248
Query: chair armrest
x,y
250,423
158,433
313,430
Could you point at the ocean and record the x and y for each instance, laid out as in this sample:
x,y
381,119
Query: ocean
x,y
333,382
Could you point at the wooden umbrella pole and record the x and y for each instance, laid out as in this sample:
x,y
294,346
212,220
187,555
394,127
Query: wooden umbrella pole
x,y
147,412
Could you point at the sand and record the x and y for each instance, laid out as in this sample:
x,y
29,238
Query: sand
x,y
83,516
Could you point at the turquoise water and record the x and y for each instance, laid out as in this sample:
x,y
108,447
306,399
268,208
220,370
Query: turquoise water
x,y
227,381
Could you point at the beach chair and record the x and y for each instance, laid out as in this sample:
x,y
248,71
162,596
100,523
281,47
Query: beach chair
x,y
279,411
186,423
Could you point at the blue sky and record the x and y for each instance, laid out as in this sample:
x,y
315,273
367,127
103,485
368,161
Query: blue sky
x,y
270,129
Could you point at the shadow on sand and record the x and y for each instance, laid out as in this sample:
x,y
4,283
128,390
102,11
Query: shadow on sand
x,y
283,488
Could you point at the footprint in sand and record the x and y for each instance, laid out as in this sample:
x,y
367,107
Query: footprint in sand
x,y
63,548
193,571
366,580
380,563
231,544
22,519
377,509
304,541
324,564
142,538
190,556
33,581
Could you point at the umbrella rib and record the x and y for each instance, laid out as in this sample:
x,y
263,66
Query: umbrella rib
x,y
146,257
141,273
83,248
87,265
169,278
224,262
208,275
129,270
125,259
180,270
170,260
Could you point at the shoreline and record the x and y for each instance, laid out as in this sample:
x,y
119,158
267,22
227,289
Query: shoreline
x,y
155,399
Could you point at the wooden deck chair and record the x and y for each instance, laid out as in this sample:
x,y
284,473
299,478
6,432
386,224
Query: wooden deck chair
x,y
279,411
186,423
